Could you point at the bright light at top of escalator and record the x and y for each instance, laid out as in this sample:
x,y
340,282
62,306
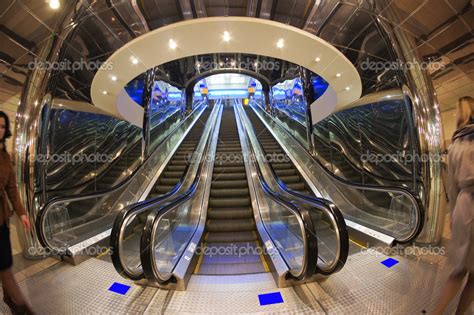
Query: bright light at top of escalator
x,y
226,36
54,4
281,43
172,43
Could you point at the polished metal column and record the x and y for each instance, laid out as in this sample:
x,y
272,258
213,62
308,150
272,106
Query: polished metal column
x,y
419,88
28,131
146,102
308,93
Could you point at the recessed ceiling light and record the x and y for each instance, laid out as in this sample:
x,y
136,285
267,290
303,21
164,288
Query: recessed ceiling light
x,y
113,78
54,4
281,43
172,43
226,36
338,75
221,63
104,92
347,88
134,60
317,59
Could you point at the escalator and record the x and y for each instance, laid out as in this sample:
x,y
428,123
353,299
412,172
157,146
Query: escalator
x,y
215,207
178,164
277,157
127,240
230,223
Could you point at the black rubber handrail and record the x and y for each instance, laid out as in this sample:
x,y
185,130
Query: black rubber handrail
x,y
147,250
316,203
132,211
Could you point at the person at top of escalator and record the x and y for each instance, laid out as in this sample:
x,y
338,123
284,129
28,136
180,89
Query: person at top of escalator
x,y
12,295
461,199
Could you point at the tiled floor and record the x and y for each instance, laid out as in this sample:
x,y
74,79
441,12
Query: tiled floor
x,y
363,286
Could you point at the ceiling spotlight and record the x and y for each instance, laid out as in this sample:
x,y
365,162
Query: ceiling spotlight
x,y
226,36
317,59
198,65
54,4
104,92
113,78
173,45
221,63
347,88
134,60
338,75
281,43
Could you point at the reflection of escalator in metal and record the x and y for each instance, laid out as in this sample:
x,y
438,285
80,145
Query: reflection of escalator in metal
x,y
278,159
230,224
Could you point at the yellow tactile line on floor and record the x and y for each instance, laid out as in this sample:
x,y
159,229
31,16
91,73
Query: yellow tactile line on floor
x,y
358,244
201,255
262,258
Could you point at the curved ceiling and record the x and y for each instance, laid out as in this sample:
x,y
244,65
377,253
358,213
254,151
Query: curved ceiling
x,y
203,36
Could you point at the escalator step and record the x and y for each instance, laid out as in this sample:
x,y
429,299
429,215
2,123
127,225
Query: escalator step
x,y
230,169
229,202
230,184
244,236
290,179
235,192
229,176
233,225
230,213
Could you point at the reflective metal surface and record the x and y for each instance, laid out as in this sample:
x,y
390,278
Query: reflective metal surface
x,y
403,219
63,223
93,30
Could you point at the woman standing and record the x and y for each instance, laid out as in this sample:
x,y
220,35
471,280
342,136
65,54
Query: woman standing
x,y
461,199
8,190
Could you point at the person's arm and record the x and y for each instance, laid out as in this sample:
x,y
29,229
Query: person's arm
x,y
14,197
453,189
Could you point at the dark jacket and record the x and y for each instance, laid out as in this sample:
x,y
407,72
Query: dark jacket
x,y
8,188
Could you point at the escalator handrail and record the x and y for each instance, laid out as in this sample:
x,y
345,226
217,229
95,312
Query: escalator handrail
x,y
320,204
41,216
121,222
147,254
414,199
